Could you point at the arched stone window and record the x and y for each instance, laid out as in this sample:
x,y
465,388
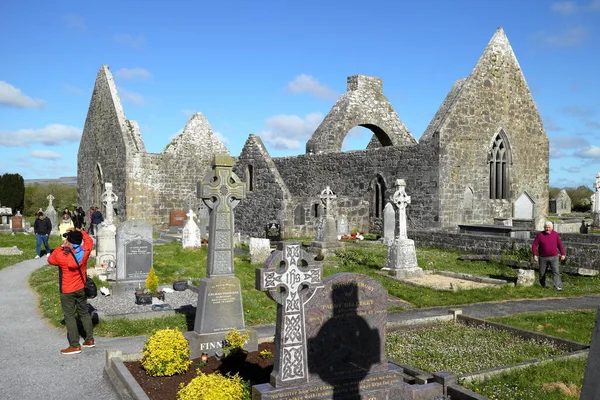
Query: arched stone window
x,y
378,198
500,162
249,178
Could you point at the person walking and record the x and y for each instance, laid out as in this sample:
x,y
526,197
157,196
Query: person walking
x,y
545,248
71,258
42,228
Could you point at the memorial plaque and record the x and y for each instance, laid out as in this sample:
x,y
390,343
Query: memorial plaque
x,y
138,258
177,217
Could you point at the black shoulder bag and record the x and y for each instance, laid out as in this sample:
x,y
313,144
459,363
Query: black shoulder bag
x,y
89,286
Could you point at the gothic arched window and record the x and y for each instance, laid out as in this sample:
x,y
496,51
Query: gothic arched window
x,y
500,161
378,200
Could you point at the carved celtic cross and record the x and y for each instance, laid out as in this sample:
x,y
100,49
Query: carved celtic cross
x,y
50,198
327,196
221,190
401,200
108,198
289,280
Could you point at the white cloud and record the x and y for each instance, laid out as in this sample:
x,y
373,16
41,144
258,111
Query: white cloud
x,y
588,152
551,125
570,37
220,136
565,7
131,97
129,40
572,170
568,142
288,131
45,154
133,73
307,84
13,97
556,154
50,135
74,21
72,89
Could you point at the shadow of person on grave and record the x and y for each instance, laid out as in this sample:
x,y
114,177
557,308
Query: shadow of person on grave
x,y
345,347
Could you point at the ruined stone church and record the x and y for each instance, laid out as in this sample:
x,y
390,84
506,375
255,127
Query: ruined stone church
x,y
484,156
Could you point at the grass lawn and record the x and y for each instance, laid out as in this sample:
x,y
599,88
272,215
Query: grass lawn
x,y
25,243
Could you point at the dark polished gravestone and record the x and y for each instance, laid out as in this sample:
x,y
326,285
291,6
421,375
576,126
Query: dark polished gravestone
x,y
219,308
273,232
337,336
134,255
591,382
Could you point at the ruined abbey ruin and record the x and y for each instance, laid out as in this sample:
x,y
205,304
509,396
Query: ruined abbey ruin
x,y
484,156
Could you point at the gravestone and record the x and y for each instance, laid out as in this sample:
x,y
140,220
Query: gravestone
x,y
134,255
596,202
523,207
177,219
525,277
389,224
342,227
591,381
562,203
5,213
330,335
401,259
17,222
273,232
203,220
326,240
106,244
190,235
219,306
10,251
260,250
50,213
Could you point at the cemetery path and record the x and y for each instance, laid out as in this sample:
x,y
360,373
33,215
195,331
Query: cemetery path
x,y
31,364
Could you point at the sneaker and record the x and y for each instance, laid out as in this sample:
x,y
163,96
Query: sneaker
x,y
47,254
559,288
71,350
37,257
89,343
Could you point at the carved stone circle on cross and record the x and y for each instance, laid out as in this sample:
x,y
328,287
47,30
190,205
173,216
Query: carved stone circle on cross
x,y
326,197
50,198
401,200
291,281
221,190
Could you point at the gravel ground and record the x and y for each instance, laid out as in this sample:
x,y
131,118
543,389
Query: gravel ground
x,y
125,303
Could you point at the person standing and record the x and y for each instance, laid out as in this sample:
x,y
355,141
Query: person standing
x,y
65,224
79,218
42,228
545,248
71,258
96,219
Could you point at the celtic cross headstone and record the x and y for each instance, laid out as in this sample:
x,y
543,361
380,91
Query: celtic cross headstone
x,y
108,198
50,198
401,259
219,306
327,196
52,215
290,281
326,240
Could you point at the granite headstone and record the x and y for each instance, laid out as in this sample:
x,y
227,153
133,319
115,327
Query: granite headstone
x,y
134,254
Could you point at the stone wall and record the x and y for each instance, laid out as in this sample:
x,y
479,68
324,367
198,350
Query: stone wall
x,y
580,253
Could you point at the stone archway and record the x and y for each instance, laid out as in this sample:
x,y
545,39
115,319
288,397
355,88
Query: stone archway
x,y
365,105
98,185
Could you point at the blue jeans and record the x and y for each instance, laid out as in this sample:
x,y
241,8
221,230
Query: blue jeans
x,y
551,262
39,239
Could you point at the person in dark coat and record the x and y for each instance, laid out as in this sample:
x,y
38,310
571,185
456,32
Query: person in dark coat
x,y
42,228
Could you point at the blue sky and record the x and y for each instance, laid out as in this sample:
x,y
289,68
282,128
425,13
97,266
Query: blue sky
x,y
275,68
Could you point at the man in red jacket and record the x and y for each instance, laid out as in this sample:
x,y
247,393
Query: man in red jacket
x,y
549,245
71,258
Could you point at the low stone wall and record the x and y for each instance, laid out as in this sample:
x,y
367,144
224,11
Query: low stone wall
x,y
582,250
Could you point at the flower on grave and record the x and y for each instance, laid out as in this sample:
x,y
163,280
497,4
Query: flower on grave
x,y
265,354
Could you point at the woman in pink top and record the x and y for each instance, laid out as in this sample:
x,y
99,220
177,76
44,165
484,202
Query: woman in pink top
x,y
547,245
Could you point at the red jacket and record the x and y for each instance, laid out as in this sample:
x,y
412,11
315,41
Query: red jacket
x,y
69,280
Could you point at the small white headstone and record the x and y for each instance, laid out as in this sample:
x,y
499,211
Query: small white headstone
x,y
190,235
389,223
260,250
525,277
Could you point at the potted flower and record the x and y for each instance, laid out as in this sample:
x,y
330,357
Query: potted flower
x,y
144,296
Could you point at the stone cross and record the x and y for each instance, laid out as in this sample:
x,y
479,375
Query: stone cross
x,y
327,196
189,201
108,198
221,190
291,281
49,198
191,214
596,201
401,200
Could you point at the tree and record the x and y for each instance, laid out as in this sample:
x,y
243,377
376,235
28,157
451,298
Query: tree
x,y
36,198
580,198
12,191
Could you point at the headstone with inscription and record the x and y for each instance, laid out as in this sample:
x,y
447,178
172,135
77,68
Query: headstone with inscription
x,y
5,213
190,235
219,306
591,381
17,222
401,259
177,219
260,250
134,255
51,214
333,347
273,231
342,227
